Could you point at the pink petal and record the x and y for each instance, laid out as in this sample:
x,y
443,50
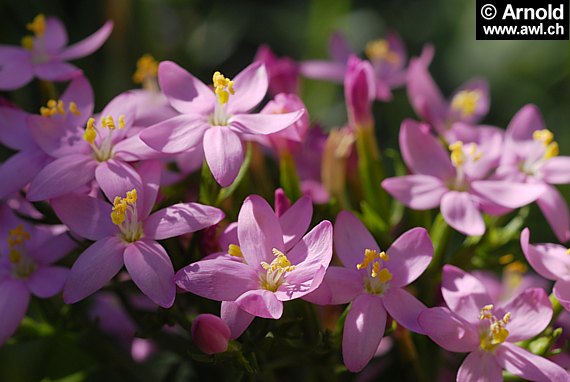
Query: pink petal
x,y
549,260
15,67
555,210
525,122
423,153
424,95
53,249
363,329
261,303
55,139
295,221
133,149
116,178
555,170
19,170
79,91
150,172
404,308
180,219
264,124
185,93
409,255
531,312
47,281
14,129
449,330
55,36
96,266
562,292
151,269
339,49
56,71
224,154
460,211
323,70
62,176
229,236
529,366
219,279
258,232
88,45
88,217
419,192
480,366
464,294
176,134
14,299
237,319
250,86
340,286
508,194
351,239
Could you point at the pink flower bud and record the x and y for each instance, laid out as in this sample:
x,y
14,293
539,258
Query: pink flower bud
x,y
210,333
283,72
359,91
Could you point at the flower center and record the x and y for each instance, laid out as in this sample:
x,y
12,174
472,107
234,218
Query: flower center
x,y
460,155
276,271
146,73
104,149
379,50
54,107
22,265
496,333
547,139
34,43
125,216
377,277
465,102
223,87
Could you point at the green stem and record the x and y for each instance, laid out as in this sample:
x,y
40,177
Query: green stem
x,y
556,308
288,176
370,169
440,234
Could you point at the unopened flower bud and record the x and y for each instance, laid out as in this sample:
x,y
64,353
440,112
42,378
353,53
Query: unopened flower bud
x,y
210,333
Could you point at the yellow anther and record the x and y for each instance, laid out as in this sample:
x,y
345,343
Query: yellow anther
x,y
486,312
131,197
551,150
466,101
28,42
379,50
16,237
19,231
121,121
223,87
545,136
73,108
90,133
457,155
120,206
474,151
507,317
516,267
60,109
235,250
384,275
568,251
506,259
384,256
108,122
14,256
38,25
375,269
147,67
118,217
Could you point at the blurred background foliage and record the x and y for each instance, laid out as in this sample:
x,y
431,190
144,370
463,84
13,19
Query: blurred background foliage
x,y
204,36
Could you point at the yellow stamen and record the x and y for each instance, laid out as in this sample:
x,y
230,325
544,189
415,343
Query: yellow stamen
x,y
545,136
120,206
516,267
497,333
73,108
14,256
568,251
275,271
551,150
28,42
90,133
16,237
121,121
384,275
486,312
38,25
466,101
54,107
379,50
457,155
223,87
147,67
234,250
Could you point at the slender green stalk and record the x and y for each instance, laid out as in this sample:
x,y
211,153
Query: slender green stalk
x,y
288,176
370,169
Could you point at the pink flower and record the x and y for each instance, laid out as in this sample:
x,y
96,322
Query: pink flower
x,y
488,331
373,282
126,233
35,137
283,72
216,120
531,156
455,181
26,268
551,261
269,273
101,151
210,333
468,104
359,92
44,54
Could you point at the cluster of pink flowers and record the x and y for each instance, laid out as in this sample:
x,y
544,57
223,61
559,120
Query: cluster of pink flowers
x,y
102,178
